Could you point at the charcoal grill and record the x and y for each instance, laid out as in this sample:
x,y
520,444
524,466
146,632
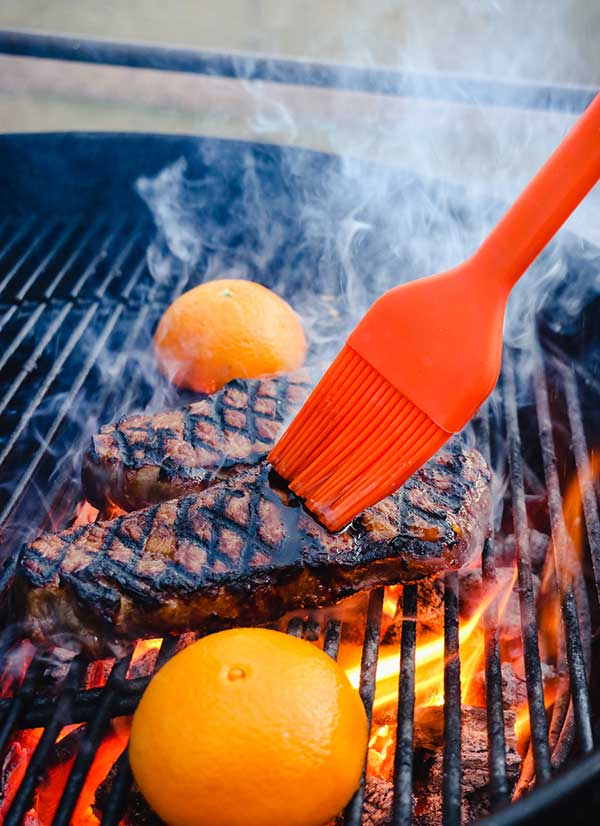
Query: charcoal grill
x,y
76,291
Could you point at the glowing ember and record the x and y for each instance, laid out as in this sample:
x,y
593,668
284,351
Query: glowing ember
x,y
49,792
16,759
86,513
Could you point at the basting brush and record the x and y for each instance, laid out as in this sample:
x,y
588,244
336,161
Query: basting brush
x,y
427,353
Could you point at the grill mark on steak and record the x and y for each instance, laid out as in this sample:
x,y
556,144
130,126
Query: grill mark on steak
x,y
154,457
235,553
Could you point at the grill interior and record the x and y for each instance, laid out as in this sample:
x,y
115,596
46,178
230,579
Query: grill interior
x,y
78,305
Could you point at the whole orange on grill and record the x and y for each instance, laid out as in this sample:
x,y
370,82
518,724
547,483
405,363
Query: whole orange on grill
x,y
249,727
227,329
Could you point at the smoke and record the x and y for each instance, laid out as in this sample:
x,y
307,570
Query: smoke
x,y
414,186
489,151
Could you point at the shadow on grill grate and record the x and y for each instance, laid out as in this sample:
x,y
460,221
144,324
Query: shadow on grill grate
x,y
77,298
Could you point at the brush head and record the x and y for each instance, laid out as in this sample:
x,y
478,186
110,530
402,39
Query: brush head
x,y
355,441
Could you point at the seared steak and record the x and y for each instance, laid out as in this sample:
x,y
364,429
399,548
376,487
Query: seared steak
x,y
153,457
235,553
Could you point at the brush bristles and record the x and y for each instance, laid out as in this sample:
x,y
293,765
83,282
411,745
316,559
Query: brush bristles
x,y
355,441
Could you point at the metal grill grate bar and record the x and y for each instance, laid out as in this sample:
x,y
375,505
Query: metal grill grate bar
x,y
41,267
451,797
403,758
531,650
10,312
41,709
119,791
120,259
95,260
40,395
29,365
90,743
333,634
77,251
21,335
22,799
18,703
368,678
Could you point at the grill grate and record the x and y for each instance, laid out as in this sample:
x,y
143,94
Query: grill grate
x,y
69,295
531,651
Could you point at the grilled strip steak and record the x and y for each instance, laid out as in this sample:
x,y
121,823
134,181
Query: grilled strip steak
x,y
154,457
238,553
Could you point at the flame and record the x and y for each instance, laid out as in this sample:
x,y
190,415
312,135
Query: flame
x,y
390,602
381,752
84,514
112,511
67,730
429,657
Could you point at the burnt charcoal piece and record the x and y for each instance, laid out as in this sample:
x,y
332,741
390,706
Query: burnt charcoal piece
x,y
236,553
506,554
378,802
429,762
155,457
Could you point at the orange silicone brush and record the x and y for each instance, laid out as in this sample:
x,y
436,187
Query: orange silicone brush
x,y
427,354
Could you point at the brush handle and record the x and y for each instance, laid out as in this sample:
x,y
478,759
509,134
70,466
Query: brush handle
x,y
546,203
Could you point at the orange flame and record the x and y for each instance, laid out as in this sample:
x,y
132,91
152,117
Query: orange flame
x,y
86,513
429,657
